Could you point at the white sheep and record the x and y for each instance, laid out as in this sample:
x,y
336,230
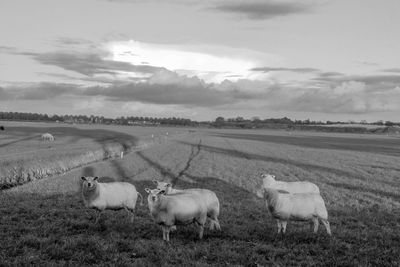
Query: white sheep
x,y
291,187
177,209
285,206
47,137
112,196
208,196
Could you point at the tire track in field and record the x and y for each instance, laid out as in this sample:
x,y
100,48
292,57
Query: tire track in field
x,y
193,154
171,177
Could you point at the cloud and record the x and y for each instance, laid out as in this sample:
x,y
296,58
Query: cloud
x,y
74,41
259,10
38,91
382,80
164,94
396,70
330,74
270,69
88,64
4,95
7,49
91,64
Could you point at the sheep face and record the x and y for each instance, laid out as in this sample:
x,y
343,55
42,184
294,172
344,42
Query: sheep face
x,y
154,195
89,183
260,193
268,180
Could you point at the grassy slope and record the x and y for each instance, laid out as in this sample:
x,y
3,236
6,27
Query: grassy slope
x,y
44,221
25,157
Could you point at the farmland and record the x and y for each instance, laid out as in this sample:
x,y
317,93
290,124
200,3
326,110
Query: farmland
x,y
44,221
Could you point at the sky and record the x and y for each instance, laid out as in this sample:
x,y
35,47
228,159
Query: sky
x,y
310,59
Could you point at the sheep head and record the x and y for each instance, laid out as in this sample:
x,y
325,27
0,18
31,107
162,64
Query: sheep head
x,y
89,183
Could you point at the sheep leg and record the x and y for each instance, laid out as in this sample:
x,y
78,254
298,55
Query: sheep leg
x,y
316,224
166,230
164,233
284,223
131,213
279,226
201,231
327,226
201,221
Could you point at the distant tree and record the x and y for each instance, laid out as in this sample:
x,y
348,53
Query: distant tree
x,y
219,122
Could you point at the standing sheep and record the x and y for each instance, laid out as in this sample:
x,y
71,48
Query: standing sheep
x,y
170,210
113,196
47,137
291,187
208,196
285,206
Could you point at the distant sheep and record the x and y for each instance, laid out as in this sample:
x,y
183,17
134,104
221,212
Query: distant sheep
x,y
170,210
208,196
285,206
291,187
47,137
112,196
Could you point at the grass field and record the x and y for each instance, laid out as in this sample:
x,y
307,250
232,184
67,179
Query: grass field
x,y
25,157
44,221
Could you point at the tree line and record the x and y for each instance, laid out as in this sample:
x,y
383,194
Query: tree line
x,y
219,122
92,119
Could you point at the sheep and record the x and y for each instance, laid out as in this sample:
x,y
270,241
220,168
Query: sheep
x,y
181,208
47,137
112,196
285,206
291,187
208,196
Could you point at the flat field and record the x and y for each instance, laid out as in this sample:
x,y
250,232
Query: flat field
x,y
44,221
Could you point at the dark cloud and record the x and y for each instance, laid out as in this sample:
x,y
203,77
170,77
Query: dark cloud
x,y
396,70
45,91
269,69
4,95
90,64
330,74
262,9
73,41
182,91
39,91
166,94
7,49
372,80
103,80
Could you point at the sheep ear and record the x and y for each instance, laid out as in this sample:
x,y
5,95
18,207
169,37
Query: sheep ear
x,y
95,178
169,185
147,190
155,182
83,178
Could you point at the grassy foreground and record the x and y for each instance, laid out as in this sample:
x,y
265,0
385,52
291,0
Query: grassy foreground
x,y
44,222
